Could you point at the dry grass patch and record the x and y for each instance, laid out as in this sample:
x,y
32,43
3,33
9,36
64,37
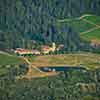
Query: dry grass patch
x,y
89,60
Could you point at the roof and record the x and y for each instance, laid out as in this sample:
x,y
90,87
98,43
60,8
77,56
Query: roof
x,y
22,50
45,47
34,50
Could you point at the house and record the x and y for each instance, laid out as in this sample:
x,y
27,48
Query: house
x,y
60,47
95,43
46,49
21,51
36,52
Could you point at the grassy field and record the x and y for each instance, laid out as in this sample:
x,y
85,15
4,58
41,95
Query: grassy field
x,y
3,71
10,60
78,25
89,25
93,18
95,34
6,60
87,60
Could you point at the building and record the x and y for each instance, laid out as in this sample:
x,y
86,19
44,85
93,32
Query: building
x,y
95,43
36,52
21,51
60,47
46,49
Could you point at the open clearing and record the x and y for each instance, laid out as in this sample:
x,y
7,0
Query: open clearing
x,y
87,25
87,60
6,59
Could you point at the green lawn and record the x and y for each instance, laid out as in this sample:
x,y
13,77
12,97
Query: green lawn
x,y
88,60
92,35
3,71
31,58
6,60
81,25
10,60
94,19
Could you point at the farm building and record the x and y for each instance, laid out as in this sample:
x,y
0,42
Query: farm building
x,y
21,51
46,49
95,43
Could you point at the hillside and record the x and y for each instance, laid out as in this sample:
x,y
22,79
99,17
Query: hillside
x,y
28,27
22,21
87,25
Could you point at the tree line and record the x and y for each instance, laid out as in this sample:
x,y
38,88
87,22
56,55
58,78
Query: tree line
x,y
22,21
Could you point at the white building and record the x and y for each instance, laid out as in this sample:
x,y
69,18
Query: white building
x,y
46,49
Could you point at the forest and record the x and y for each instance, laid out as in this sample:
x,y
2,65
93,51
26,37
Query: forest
x,y
25,21
68,85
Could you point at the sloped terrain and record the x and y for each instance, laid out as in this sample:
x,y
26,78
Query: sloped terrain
x,y
86,25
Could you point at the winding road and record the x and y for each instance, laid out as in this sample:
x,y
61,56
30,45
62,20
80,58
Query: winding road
x,y
30,65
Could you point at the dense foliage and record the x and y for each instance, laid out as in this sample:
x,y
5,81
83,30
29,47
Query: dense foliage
x,y
22,21
61,87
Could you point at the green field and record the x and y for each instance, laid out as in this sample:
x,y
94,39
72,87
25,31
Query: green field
x,y
92,35
93,18
87,26
10,60
7,60
78,25
87,60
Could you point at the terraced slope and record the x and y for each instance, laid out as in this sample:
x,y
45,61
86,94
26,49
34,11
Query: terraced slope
x,y
93,18
87,25
95,34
